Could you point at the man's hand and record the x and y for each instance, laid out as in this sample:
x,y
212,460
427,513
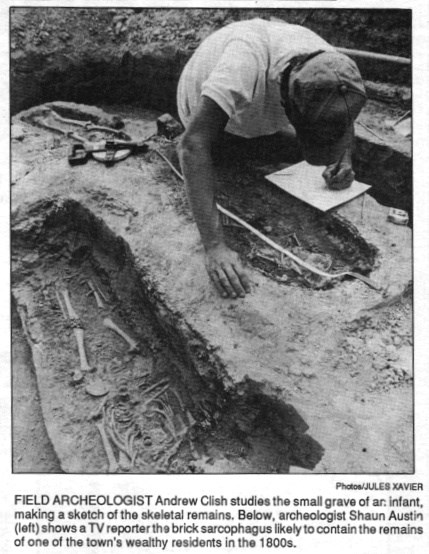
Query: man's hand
x,y
340,175
223,265
226,271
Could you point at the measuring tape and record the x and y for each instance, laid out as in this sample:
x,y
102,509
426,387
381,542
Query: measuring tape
x,y
398,217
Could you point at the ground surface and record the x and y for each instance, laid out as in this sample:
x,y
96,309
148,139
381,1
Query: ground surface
x,y
365,29
298,376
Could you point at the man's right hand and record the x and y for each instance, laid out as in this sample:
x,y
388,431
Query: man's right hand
x,y
340,175
226,271
204,130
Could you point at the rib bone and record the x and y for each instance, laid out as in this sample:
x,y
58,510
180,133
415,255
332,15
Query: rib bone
x,y
134,347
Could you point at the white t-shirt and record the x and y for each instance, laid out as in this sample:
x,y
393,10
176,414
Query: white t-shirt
x,y
240,67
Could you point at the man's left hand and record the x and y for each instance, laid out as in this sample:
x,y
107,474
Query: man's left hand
x,y
340,175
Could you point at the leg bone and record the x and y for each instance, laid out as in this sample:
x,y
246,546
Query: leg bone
x,y
77,376
134,347
70,309
94,291
79,335
113,464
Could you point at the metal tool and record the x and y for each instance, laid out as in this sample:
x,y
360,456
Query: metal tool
x,y
108,151
398,217
90,126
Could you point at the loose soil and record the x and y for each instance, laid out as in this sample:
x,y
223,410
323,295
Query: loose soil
x,y
32,451
118,55
229,393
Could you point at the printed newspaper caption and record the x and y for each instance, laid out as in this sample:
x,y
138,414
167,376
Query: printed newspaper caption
x,y
208,521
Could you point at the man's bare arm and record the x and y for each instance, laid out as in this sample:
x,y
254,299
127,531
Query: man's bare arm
x,y
195,151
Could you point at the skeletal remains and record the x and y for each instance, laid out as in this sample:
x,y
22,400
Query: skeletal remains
x,y
96,294
123,424
113,465
79,334
121,421
134,346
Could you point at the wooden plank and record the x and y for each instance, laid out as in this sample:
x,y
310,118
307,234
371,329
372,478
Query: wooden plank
x,y
305,182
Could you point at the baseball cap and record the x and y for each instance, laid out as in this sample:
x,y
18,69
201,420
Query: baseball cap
x,y
325,95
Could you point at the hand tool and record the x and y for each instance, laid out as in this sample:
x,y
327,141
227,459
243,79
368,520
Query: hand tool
x,y
79,335
398,217
134,346
107,151
90,126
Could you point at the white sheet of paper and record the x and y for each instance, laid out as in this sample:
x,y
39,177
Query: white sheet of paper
x,y
305,181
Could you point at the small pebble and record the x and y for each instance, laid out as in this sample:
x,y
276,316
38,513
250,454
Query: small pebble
x,y
295,372
385,338
391,353
397,341
309,374
379,364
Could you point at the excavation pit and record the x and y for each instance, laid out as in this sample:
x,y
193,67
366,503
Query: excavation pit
x,y
165,409
326,241
301,375
270,383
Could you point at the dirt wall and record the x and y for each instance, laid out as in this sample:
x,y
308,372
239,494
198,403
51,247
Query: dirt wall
x,y
82,54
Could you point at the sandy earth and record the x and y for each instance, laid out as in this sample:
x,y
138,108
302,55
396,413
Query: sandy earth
x,y
299,376
32,450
